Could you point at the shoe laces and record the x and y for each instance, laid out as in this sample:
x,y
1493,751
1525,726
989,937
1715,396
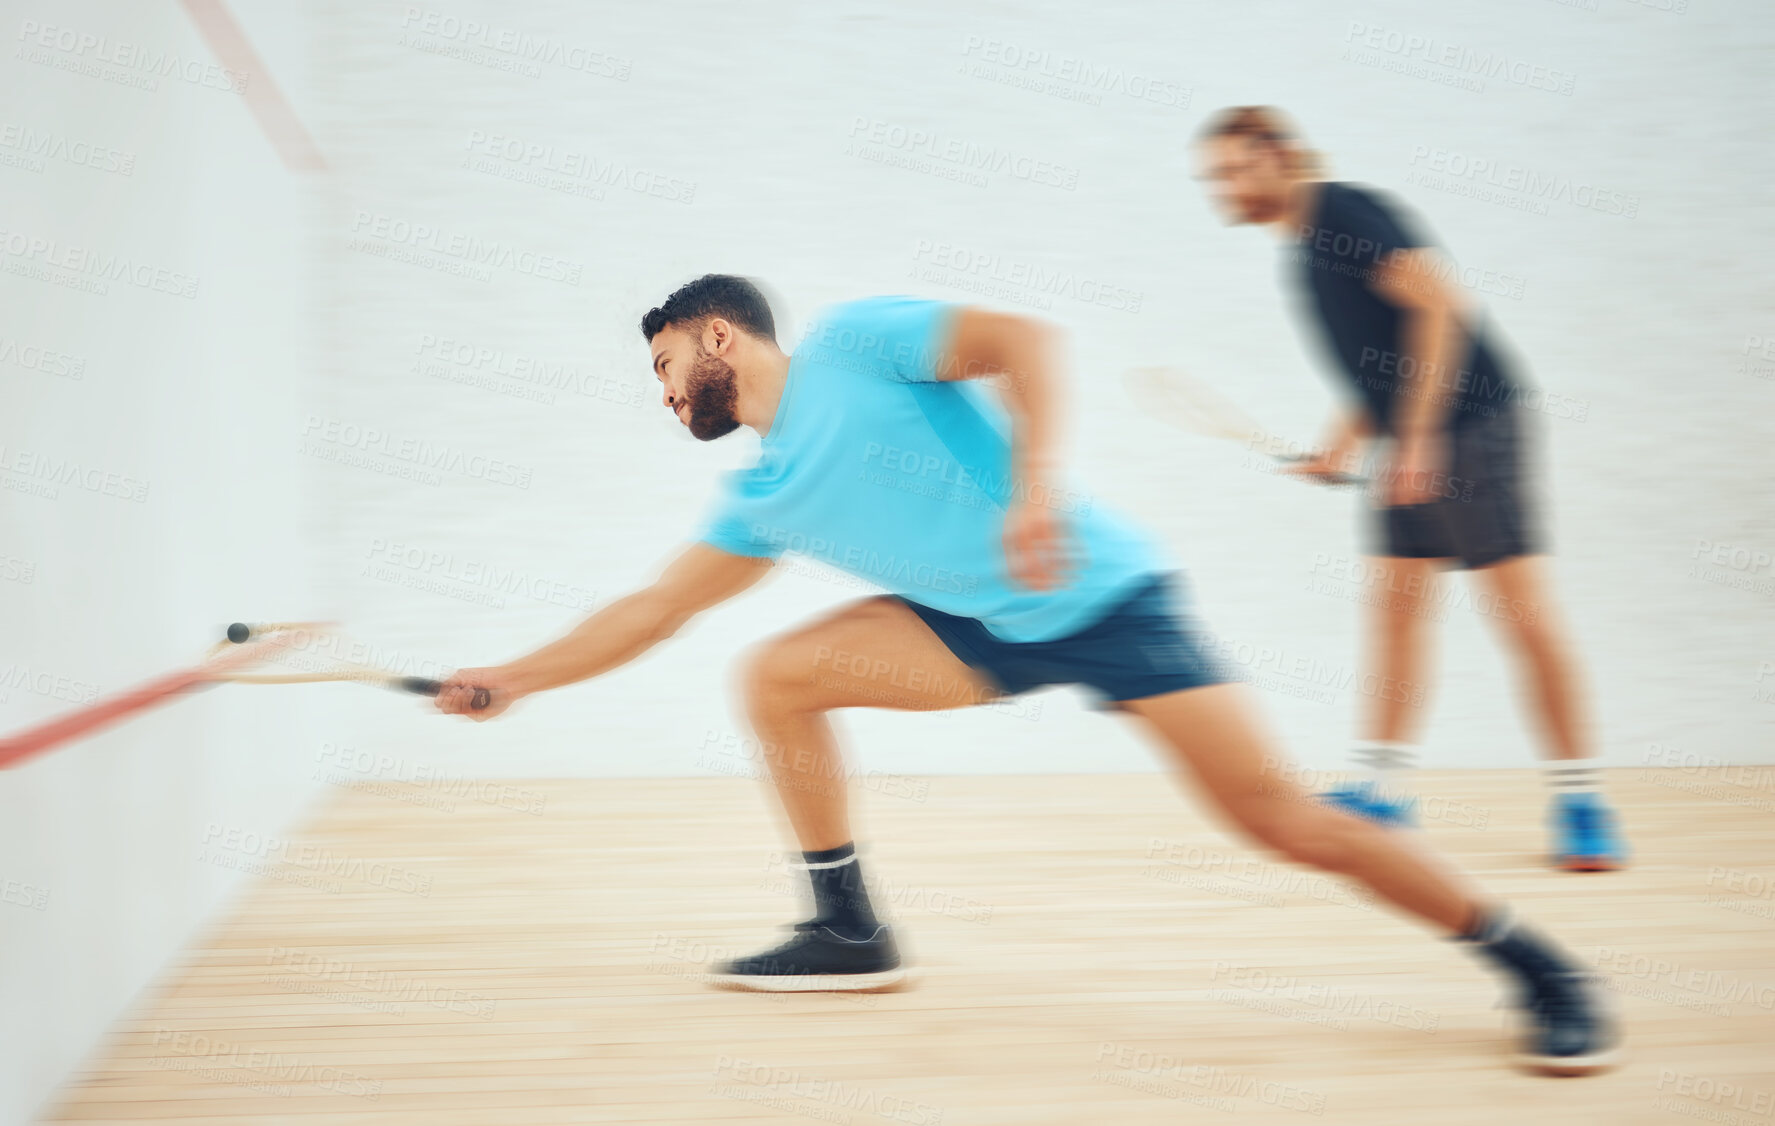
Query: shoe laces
x,y
803,934
1557,998
1584,818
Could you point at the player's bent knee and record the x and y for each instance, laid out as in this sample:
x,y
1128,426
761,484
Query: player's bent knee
x,y
776,673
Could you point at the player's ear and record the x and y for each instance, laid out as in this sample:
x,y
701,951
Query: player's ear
x,y
717,334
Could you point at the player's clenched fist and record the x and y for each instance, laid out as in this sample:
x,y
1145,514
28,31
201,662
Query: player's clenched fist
x,y
459,693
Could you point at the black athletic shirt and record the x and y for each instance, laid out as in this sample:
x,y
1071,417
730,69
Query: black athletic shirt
x,y
1336,257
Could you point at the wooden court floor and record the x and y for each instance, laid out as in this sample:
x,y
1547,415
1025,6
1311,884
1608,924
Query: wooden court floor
x,y
1088,949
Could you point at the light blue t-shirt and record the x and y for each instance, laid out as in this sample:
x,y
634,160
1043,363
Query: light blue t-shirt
x,y
876,468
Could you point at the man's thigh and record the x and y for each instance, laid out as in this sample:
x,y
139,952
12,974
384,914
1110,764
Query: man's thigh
x,y
873,653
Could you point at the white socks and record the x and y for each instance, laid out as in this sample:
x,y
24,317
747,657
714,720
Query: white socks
x,y
1387,765
1572,775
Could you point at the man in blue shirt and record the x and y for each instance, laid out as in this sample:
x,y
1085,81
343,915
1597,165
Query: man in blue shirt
x,y
883,457
879,462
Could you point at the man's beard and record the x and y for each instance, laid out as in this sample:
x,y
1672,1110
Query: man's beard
x,y
713,395
1261,209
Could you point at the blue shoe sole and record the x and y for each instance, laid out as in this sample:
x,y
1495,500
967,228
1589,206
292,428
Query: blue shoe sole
x,y
1394,815
1587,847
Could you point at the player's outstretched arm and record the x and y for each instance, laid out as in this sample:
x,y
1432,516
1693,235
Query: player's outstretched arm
x,y
701,577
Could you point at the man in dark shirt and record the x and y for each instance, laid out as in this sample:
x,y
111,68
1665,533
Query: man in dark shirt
x,y
1450,488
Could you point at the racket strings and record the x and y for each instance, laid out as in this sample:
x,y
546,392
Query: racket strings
x,y
290,653
1189,403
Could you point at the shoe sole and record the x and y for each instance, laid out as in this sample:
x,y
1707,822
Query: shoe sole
x,y
1384,820
881,982
1569,1066
1589,864
1395,823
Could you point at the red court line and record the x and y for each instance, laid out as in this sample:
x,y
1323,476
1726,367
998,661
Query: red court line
x,y
64,728
276,118
27,744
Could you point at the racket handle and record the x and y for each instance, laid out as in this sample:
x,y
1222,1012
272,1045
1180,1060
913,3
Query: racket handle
x,y
421,686
1324,478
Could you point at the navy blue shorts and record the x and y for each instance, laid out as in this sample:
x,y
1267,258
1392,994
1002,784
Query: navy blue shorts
x,y
1147,645
1487,513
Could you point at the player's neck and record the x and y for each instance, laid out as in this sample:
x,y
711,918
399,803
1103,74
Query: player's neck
x,y
761,390
1298,208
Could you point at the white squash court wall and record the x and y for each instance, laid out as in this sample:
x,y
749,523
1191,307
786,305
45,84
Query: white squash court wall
x,y
199,399
729,138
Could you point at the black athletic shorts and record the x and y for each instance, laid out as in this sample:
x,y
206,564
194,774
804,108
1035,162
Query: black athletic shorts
x,y
1147,645
1484,512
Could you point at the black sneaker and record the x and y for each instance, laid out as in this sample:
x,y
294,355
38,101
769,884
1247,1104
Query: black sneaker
x,y
818,959
1568,1030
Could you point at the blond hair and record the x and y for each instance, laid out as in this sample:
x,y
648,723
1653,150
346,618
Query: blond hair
x,y
1271,126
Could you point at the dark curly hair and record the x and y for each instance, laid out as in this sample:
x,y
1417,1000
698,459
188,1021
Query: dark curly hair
x,y
713,295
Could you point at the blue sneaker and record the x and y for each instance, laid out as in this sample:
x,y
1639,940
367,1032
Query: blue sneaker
x,y
1364,800
1584,834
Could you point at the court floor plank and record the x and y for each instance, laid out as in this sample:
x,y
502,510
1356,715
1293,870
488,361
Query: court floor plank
x,y
1085,949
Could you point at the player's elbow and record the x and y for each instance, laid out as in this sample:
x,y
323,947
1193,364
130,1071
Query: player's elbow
x,y
665,625
994,344
1030,340
1444,301
652,616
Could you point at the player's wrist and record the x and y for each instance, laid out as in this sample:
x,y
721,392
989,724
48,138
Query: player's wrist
x,y
518,679
1036,483
1034,466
